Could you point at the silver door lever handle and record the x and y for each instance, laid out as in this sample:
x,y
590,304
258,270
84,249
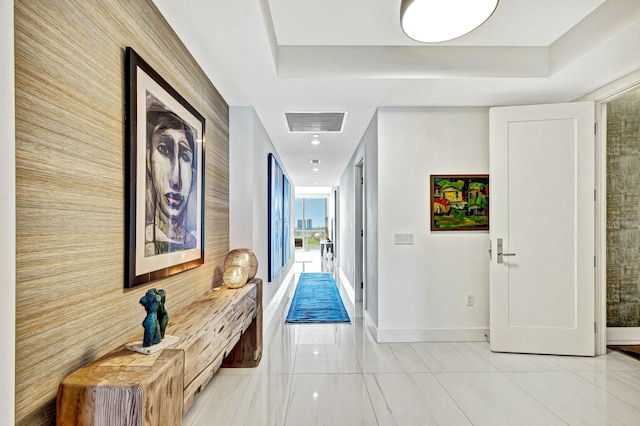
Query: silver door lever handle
x,y
500,254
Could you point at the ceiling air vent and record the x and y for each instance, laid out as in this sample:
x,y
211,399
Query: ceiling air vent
x,y
315,122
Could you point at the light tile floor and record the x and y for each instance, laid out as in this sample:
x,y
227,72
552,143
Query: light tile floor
x,y
338,375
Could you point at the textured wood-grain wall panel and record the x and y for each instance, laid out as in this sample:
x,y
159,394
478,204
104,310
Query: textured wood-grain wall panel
x,y
70,151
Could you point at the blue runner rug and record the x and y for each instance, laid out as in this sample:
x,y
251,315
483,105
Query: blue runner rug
x,y
317,300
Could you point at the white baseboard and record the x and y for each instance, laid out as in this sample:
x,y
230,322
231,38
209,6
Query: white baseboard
x,y
430,335
348,287
276,306
370,325
623,335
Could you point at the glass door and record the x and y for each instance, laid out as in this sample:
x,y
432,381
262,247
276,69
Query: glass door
x,y
311,223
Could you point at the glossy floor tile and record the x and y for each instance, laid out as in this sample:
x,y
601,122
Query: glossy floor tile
x,y
412,399
329,399
515,362
243,400
326,349
382,358
624,385
451,357
612,361
576,401
408,358
492,399
338,375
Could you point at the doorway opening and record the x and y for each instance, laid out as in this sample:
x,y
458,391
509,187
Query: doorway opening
x,y
621,117
314,228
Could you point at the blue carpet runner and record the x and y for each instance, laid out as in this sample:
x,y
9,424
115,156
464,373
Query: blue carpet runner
x,y
317,300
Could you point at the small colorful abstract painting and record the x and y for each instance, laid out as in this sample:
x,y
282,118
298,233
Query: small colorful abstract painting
x,y
459,202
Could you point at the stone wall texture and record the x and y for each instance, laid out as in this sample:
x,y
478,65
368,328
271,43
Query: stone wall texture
x,y
623,211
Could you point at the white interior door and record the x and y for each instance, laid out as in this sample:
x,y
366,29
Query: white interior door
x,y
542,208
359,237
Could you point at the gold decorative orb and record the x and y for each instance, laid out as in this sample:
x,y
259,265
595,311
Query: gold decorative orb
x,y
245,258
234,276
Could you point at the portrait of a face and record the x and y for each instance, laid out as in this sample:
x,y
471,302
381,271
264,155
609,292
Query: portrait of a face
x,y
171,158
165,176
171,168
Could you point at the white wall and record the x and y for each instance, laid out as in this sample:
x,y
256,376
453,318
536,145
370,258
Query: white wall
x,y
249,147
348,234
331,216
346,227
423,287
7,216
372,206
241,173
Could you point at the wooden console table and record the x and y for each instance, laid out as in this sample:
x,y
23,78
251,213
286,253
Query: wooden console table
x,y
224,327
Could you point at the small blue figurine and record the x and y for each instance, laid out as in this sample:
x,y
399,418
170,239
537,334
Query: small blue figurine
x,y
151,302
163,315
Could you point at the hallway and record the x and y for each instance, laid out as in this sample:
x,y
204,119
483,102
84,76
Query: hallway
x,y
338,375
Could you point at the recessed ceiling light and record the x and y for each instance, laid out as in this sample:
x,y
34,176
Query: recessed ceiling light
x,y
315,140
315,169
433,21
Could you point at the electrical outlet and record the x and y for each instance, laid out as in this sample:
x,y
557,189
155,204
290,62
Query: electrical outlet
x,y
470,300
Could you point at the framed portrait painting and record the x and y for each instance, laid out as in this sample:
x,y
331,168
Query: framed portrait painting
x,y
459,202
164,177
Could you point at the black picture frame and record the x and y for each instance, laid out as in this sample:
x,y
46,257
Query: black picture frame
x,y
164,178
276,216
459,202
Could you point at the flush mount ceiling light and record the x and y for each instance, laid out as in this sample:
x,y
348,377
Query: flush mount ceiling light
x,y
315,140
432,21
